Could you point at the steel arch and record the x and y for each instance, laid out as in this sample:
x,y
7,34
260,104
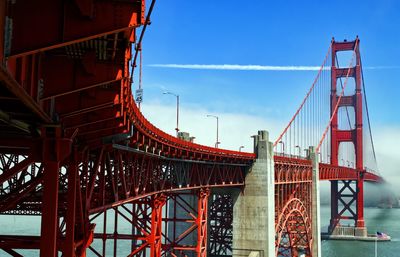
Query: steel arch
x,y
297,211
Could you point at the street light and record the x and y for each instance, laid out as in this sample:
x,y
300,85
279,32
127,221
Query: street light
x,y
297,146
217,142
307,152
283,147
240,148
177,110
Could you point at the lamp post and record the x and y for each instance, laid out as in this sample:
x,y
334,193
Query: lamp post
x,y
283,147
177,110
240,148
307,151
297,146
217,142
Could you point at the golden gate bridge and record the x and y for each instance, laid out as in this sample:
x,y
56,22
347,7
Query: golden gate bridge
x,y
76,150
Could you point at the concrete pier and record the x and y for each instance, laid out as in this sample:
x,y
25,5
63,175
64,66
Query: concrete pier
x,y
315,209
254,209
349,231
347,234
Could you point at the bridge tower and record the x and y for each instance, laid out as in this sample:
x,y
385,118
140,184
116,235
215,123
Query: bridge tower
x,y
343,191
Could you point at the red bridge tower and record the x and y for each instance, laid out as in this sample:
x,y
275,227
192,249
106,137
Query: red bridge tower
x,y
343,195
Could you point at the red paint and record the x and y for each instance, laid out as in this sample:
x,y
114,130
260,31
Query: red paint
x,y
354,136
75,74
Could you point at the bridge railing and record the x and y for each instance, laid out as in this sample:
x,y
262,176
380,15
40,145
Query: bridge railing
x,y
369,170
146,127
292,156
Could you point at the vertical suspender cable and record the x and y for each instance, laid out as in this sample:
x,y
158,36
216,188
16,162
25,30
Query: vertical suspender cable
x,y
147,22
341,85
367,112
305,99
338,102
140,69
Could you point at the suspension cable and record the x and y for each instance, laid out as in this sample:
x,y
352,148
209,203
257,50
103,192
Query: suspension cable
x,y
306,97
147,22
341,84
367,111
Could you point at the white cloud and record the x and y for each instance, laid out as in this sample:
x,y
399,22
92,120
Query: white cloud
x,y
387,142
235,130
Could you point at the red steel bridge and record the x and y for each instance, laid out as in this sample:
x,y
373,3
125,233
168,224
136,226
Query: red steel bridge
x,y
76,150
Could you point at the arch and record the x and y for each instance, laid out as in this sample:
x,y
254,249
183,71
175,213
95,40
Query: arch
x,y
293,216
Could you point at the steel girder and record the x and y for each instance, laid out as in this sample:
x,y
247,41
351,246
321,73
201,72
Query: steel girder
x,y
326,171
343,198
88,183
293,207
220,225
180,231
354,136
123,176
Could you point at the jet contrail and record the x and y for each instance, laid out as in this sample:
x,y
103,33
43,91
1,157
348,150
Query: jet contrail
x,y
253,67
236,67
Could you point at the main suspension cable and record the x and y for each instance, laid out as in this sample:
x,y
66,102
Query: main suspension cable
x,y
367,112
305,98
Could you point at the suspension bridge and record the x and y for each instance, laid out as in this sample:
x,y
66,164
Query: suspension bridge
x,y
76,151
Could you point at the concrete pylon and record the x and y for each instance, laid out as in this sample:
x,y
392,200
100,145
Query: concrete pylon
x,y
254,208
315,209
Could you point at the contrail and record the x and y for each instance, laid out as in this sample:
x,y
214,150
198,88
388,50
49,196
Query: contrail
x,y
236,67
253,67
381,67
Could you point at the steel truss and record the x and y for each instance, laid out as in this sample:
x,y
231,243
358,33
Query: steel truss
x,y
354,136
220,225
343,200
293,185
161,225
72,191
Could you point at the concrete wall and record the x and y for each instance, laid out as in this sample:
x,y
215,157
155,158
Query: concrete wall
x,y
181,227
316,216
254,209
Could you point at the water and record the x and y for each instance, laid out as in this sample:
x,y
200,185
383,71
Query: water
x,y
384,220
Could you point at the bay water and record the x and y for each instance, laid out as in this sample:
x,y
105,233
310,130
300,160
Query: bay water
x,y
383,220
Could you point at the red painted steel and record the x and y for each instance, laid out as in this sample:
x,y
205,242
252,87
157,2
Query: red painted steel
x,y
293,184
157,203
74,146
293,206
220,224
355,136
326,171
202,223
2,29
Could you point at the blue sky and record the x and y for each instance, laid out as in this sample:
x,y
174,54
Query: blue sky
x,y
268,33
